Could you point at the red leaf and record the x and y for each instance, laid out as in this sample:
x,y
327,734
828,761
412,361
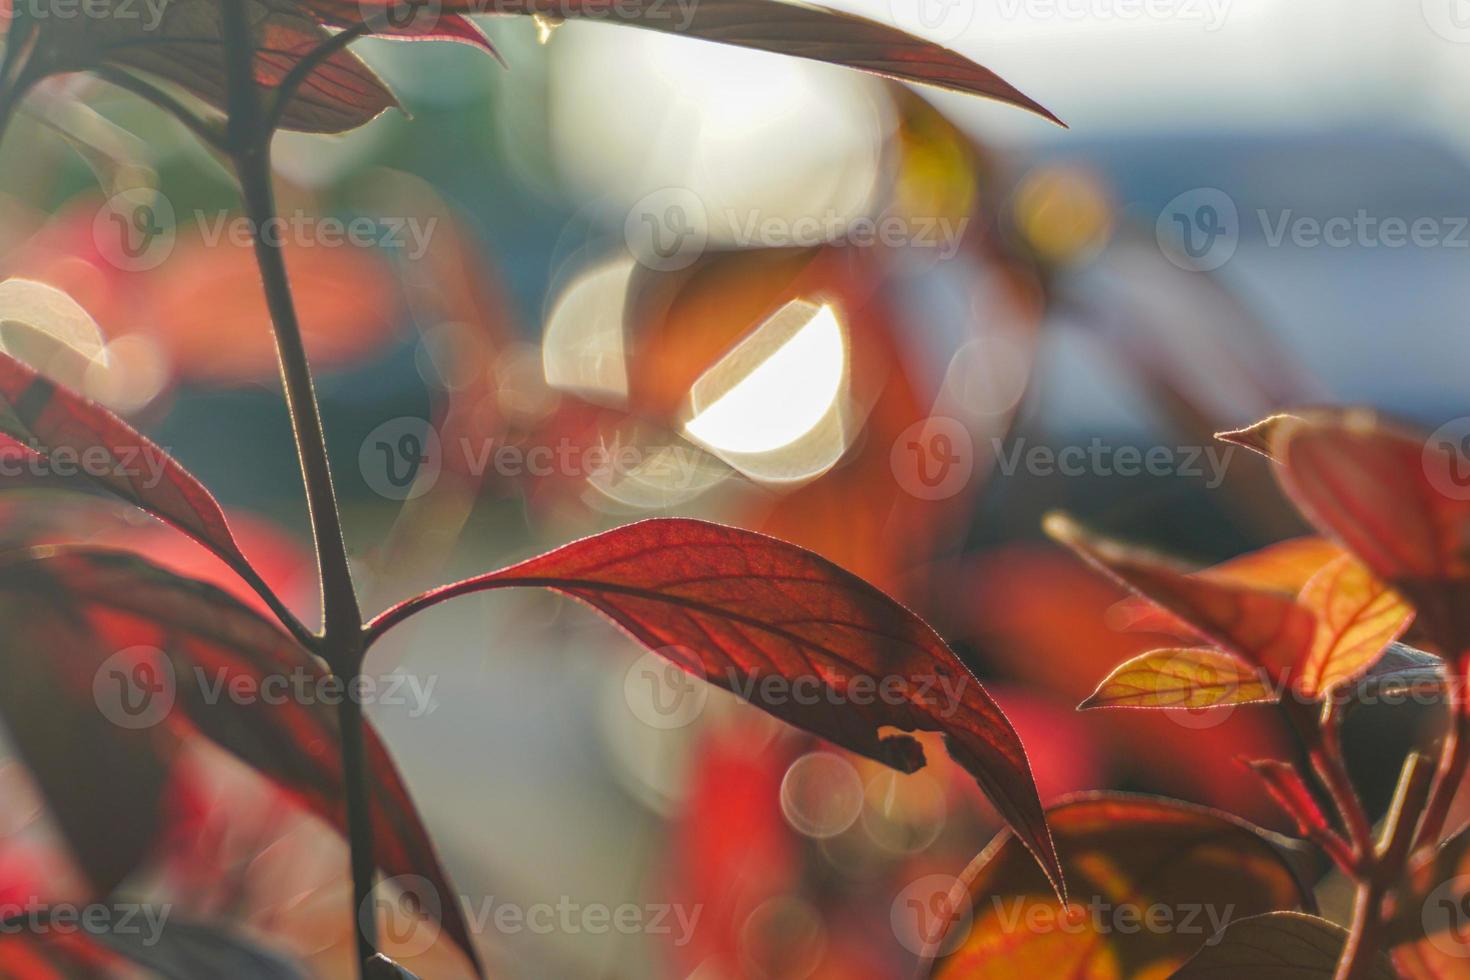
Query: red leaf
x,y
1267,628
115,457
52,662
739,608
1385,493
113,601
799,30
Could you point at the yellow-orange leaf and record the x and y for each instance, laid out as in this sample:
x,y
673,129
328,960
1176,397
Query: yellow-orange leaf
x,y
1266,627
1191,678
1357,617
1285,566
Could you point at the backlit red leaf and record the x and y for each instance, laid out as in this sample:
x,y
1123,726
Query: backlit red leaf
x,y
796,29
1194,678
1132,863
1397,500
1267,628
107,453
767,619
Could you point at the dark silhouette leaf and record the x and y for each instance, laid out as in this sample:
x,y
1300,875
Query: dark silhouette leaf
x,y
1150,881
1275,946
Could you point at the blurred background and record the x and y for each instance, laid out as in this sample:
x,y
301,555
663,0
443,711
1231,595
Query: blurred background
x,y
635,275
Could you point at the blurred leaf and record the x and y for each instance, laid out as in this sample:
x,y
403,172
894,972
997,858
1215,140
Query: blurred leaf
x,y
1151,880
1357,617
207,308
56,956
738,608
1194,678
1429,934
188,951
1277,946
188,645
52,660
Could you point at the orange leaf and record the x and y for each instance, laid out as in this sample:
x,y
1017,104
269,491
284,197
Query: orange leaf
x,y
1194,678
1357,617
1285,566
1267,628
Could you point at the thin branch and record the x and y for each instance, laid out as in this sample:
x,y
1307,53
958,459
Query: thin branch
x,y
211,131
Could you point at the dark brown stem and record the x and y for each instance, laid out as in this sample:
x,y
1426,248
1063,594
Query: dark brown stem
x,y
1365,938
249,138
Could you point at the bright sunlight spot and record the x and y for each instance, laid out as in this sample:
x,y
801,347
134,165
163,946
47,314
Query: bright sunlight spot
x,y
778,391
